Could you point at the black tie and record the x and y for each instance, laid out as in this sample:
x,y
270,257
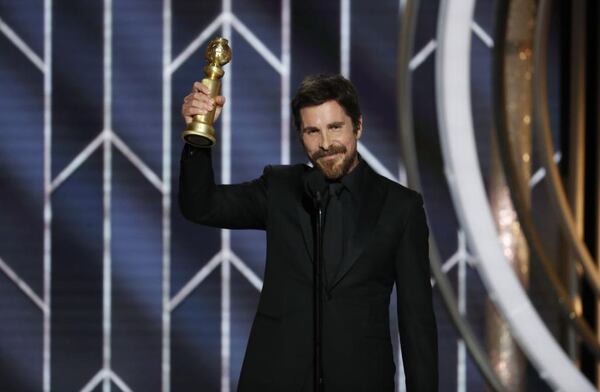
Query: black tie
x,y
333,236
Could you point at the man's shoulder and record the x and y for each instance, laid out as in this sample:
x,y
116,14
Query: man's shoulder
x,y
399,192
286,171
285,175
295,169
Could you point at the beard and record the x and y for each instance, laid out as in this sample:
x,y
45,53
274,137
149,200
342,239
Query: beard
x,y
333,169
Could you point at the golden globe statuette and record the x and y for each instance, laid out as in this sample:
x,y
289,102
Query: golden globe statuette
x,y
200,132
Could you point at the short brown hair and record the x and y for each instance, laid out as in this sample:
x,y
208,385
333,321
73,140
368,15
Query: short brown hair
x,y
317,89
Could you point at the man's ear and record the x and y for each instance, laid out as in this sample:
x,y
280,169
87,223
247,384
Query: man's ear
x,y
359,127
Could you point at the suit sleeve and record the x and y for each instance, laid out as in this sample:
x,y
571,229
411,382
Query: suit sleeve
x,y
416,320
239,206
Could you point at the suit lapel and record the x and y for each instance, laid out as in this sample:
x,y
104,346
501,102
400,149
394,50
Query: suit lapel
x,y
370,210
304,209
304,217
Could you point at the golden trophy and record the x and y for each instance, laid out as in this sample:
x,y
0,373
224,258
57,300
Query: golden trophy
x,y
200,132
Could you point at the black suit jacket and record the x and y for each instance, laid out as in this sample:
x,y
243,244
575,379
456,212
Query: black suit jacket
x,y
389,247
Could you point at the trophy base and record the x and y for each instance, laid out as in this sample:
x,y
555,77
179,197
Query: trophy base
x,y
199,135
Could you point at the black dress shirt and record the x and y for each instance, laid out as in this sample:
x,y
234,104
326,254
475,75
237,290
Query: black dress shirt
x,y
340,219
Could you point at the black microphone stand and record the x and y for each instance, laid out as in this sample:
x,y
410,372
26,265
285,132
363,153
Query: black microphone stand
x,y
318,292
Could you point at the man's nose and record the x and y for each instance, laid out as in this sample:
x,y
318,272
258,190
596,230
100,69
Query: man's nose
x,y
325,141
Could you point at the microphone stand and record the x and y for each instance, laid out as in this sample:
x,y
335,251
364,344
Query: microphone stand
x,y
318,293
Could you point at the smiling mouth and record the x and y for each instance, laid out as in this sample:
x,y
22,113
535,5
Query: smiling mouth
x,y
330,157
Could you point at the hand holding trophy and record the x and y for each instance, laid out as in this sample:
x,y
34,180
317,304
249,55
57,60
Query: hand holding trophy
x,y
200,132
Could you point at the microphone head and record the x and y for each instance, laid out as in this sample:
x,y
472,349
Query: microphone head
x,y
315,186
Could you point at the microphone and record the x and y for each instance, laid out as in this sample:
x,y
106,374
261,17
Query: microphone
x,y
316,187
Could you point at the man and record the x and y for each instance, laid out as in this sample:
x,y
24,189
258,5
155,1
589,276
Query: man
x,y
375,235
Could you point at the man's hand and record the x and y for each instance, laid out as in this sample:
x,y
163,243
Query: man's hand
x,y
199,102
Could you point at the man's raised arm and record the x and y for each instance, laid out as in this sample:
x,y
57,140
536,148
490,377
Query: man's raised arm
x,y
201,200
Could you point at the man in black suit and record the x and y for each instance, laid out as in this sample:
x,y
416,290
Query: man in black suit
x,y
375,236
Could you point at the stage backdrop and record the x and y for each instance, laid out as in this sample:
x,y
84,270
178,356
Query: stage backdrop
x,y
103,285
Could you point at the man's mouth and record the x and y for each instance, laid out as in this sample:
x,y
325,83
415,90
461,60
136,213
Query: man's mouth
x,y
330,156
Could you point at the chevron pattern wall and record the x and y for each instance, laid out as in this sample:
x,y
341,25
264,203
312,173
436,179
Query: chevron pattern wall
x,y
103,285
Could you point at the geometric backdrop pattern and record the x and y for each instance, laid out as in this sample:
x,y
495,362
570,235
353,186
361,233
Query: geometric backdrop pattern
x,y
103,285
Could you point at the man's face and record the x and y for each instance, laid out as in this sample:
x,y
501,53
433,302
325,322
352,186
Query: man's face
x,y
329,139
